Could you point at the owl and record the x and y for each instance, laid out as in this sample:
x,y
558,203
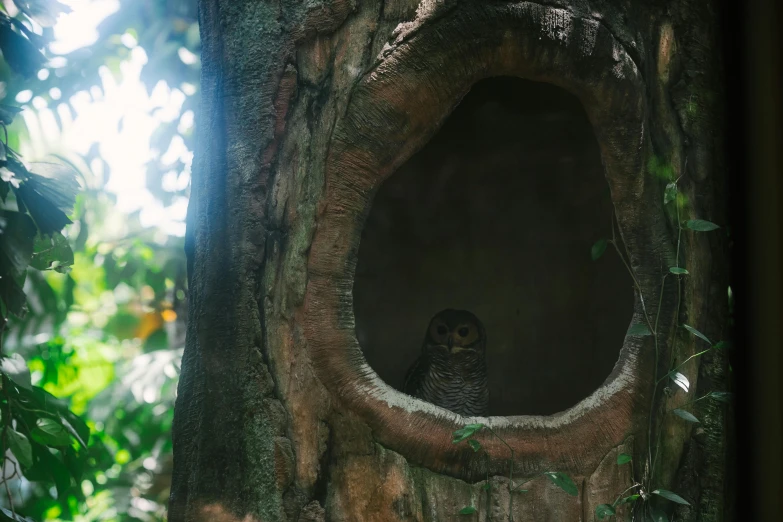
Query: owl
x,y
451,371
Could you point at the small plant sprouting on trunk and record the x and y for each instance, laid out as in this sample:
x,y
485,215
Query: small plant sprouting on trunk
x,y
645,490
558,478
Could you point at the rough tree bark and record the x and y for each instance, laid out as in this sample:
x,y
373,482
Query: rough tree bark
x,y
306,108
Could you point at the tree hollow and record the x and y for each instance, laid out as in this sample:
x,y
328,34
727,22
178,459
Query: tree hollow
x,y
497,215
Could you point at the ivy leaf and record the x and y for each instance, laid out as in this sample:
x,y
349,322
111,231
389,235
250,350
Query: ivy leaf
x,y
680,380
639,329
670,194
697,333
466,432
563,481
16,369
50,433
467,510
700,225
604,510
688,416
668,495
599,247
473,443
20,447
623,458
676,270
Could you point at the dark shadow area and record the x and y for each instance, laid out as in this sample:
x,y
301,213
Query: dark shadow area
x,y
497,215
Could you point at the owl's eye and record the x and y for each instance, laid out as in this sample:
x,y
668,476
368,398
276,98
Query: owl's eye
x,y
442,330
463,332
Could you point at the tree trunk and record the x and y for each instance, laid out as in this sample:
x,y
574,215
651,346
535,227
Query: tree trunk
x,y
307,107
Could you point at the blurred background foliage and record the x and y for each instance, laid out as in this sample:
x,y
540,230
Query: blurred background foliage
x,y
112,94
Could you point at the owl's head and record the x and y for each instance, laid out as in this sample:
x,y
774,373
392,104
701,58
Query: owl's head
x,y
457,331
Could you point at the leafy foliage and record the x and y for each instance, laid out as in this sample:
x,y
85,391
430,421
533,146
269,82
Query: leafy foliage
x,y
650,510
562,481
92,301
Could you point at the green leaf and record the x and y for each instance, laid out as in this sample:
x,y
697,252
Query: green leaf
x,y
8,113
75,434
59,407
466,432
623,458
668,495
473,443
49,194
639,329
47,401
688,416
722,345
563,481
12,296
49,468
7,514
16,369
677,270
486,486
604,510
697,333
20,54
20,447
75,462
721,396
627,500
16,242
700,225
467,510
680,380
52,252
50,433
599,247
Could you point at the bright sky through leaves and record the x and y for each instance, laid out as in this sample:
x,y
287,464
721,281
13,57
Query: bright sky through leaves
x,y
120,116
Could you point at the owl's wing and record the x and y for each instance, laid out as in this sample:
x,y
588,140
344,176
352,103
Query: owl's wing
x,y
415,375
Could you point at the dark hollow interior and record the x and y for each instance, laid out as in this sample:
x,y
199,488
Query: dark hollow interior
x,y
497,215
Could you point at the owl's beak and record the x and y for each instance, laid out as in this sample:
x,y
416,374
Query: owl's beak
x,y
450,342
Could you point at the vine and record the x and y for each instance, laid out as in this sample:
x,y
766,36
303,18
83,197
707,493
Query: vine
x,y
645,490
640,493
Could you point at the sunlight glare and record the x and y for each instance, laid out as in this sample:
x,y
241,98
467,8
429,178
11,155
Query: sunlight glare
x,y
78,28
119,115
